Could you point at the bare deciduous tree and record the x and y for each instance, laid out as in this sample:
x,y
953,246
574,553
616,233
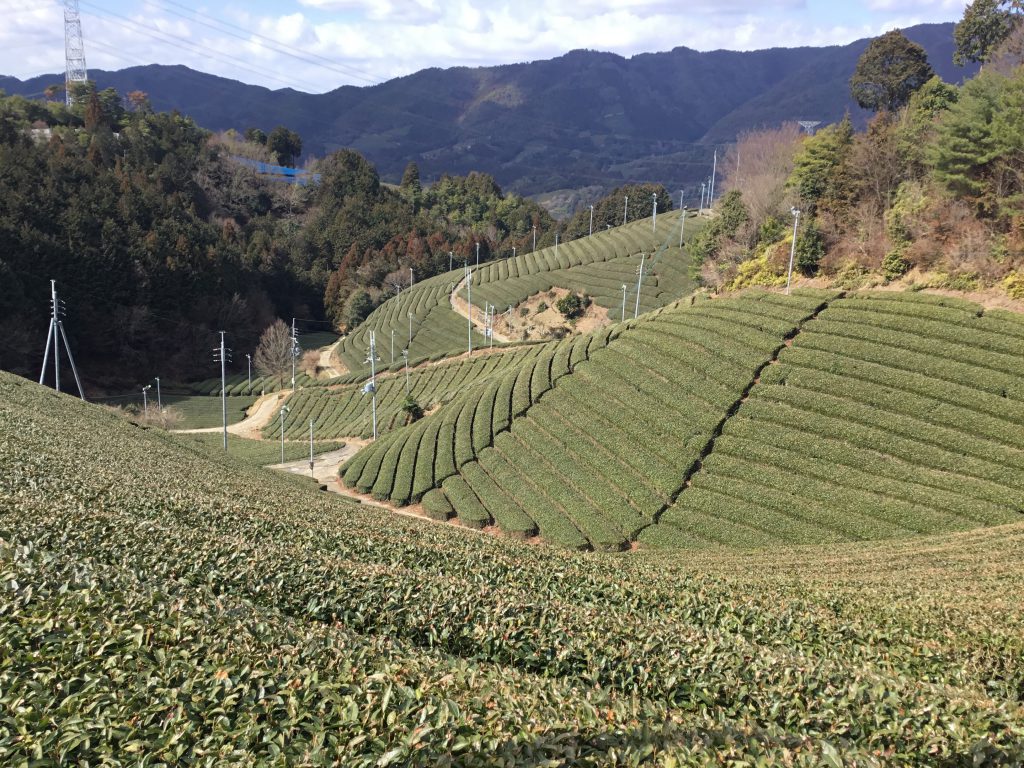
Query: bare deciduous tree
x,y
274,354
759,165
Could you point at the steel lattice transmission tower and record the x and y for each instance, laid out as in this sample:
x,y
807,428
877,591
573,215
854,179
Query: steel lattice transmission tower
x,y
74,49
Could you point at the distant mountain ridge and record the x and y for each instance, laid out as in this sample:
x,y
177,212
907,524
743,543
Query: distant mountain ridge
x,y
585,119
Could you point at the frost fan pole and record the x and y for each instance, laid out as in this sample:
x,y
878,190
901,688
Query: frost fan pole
x,y
221,355
639,279
57,327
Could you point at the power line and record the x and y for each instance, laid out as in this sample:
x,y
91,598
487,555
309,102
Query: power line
x,y
277,46
176,42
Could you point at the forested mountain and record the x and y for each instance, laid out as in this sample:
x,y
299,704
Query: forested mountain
x,y
583,119
158,238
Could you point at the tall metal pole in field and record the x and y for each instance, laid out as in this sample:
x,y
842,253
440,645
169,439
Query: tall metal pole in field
x,y
223,389
792,250
703,186
248,361
371,387
556,247
410,328
714,173
295,350
625,211
451,255
591,221
469,306
405,354
159,399
281,413
145,402
534,238
639,280
54,337
623,302
682,226
311,448
478,254
412,278
654,215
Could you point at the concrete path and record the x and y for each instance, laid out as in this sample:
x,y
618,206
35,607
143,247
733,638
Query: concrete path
x,y
257,417
325,465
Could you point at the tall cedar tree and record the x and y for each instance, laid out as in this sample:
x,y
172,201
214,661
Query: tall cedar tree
x,y
985,26
889,72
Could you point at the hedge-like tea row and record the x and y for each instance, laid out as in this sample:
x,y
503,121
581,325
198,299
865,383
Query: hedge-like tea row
x,y
166,607
342,411
452,436
891,415
647,402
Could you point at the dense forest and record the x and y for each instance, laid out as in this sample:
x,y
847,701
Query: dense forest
x,y
158,239
930,195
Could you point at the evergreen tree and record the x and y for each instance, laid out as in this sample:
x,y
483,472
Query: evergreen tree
x,y
889,72
984,26
285,144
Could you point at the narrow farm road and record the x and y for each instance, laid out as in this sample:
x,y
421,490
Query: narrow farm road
x,y
328,363
325,465
258,416
325,471
461,307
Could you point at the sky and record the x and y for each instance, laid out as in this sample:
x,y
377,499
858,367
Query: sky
x,y
319,45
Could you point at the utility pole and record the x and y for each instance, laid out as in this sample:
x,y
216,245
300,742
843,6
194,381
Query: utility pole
x,y
159,399
513,251
310,449
490,328
412,280
682,226
469,306
478,254
556,247
248,360
371,386
405,354
534,238
792,250
703,186
281,413
145,402
57,328
221,355
591,221
639,280
654,216
623,302
410,328
714,173
295,352
625,211
392,346
451,255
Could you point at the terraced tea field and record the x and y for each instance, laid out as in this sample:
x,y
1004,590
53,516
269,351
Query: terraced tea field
x,y
598,266
344,411
595,265
739,422
164,605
